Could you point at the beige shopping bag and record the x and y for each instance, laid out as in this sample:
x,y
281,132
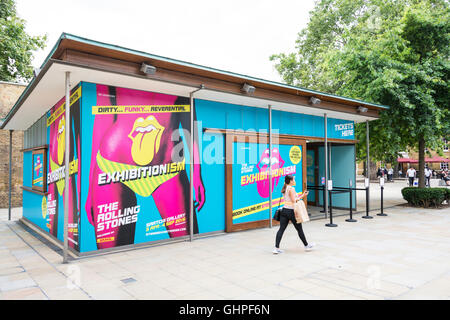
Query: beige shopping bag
x,y
301,214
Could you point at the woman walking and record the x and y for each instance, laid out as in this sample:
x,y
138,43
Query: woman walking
x,y
287,213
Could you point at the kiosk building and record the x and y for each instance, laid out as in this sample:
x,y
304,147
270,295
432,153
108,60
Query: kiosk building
x,y
160,150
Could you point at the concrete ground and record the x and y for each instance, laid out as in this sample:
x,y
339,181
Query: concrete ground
x,y
405,255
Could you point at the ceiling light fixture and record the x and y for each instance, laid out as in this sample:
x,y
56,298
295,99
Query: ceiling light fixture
x,y
148,69
362,109
314,100
248,88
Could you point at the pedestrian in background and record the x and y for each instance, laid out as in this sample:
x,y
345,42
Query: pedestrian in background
x,y
379,173
390,174
445,177
411,174
427,176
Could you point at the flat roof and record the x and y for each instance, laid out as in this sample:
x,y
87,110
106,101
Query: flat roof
x,y
197,66
110,51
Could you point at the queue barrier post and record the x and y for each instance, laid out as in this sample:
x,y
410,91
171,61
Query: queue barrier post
x,y
351,203
382,214
323,196
330,192
367,200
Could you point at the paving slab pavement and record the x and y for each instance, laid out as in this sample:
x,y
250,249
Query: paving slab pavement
x,y
405,255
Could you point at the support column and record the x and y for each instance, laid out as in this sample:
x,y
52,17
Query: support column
x,y
326,164
368,162
10,174
191,166
191,171
270,168
329,161
66,164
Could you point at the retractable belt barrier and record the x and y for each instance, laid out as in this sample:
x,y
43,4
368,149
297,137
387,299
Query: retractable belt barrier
x,y
349,190
323,193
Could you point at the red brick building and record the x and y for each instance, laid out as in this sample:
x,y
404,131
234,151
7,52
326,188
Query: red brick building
x,y
9,93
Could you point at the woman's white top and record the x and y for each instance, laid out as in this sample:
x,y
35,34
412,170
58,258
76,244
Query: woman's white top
x,y
288,204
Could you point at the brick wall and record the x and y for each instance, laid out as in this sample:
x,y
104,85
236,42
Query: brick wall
x,y
9,93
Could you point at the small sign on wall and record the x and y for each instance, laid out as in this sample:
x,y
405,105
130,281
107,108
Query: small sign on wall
x,y
330,184
344,129
39,167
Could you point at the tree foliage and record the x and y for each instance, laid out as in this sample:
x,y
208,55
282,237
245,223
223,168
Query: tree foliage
x,y
16,46
390,52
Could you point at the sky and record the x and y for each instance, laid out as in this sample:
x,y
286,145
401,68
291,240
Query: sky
x,y
232,35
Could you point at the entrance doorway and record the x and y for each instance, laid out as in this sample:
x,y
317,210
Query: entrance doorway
x,y
341,170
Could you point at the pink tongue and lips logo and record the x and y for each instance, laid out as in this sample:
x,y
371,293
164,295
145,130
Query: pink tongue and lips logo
x,y
275,163
146,138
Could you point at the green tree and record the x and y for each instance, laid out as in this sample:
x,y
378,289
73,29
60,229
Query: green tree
x,y
16,46
391,52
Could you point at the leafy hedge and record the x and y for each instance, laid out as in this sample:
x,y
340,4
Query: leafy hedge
x,y
426,197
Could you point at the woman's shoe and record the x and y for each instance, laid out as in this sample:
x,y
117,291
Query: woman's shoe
x,y
277,251
310,246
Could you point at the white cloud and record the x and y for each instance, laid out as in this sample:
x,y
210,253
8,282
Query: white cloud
x,y
236,36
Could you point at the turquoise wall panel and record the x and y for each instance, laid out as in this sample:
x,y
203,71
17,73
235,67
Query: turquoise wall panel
x,y
212,114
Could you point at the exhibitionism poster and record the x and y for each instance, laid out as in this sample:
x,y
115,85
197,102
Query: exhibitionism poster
x,y
251,185
139,178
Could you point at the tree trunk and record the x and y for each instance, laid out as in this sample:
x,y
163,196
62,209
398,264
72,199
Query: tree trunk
x,y
373,170
395,167
421,173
